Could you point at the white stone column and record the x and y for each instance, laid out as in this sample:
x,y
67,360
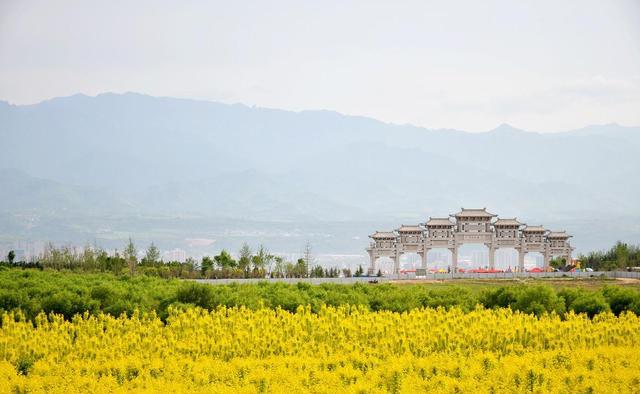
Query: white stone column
x,y
423,263
546,257
372,263
396,264
492,257
454,259
521,254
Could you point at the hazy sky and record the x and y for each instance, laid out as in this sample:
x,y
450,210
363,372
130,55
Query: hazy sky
x,y
539,65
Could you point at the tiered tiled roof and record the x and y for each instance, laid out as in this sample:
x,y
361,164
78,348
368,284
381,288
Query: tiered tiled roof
x,y
507,222
439,222
411,228
558,234
534,229
475,212
383,234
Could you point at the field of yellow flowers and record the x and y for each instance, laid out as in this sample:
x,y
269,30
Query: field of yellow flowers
x,y
344,349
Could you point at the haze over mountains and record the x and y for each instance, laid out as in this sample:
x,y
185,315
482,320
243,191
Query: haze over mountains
x,y
81,168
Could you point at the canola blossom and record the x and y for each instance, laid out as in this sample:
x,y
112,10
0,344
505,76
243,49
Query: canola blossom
x,y
343,349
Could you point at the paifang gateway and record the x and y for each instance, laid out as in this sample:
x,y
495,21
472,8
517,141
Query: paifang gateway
x,y
469,226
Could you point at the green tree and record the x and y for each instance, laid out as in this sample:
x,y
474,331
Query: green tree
x,y
206,265
244,262
317,272
11,256
359,271
538,300
152,255
558,263
131,256
88,258
225,261
301,269
591,304
261,260
52,257
621,299
102,260
279,268
289,270
622,255
189,268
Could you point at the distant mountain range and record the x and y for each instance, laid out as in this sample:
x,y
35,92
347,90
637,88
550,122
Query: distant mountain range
x,y
131,155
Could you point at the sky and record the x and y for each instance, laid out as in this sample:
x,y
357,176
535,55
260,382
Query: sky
x,y
470,65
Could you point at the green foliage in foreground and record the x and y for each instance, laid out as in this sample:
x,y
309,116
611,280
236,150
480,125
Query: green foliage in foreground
x,y
71,293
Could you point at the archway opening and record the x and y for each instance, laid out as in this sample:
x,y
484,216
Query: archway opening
x,y
506,259
409,262
533,260
559,261
438,259
473,256
384,265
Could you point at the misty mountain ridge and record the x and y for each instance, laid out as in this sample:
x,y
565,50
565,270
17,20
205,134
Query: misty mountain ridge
x,y
136,154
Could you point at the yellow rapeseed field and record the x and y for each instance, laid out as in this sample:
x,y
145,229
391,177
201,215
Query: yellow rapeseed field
x,y
345,349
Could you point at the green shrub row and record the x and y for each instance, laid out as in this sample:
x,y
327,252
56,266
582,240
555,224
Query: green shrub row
x,y
71,293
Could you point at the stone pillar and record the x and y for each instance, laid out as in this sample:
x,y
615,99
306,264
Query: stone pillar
x,y
546,256
396,264
521,254
423,256
492,257
372,263
454,259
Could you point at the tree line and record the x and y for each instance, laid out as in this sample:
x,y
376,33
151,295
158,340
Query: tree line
x,y
621,256
248,263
